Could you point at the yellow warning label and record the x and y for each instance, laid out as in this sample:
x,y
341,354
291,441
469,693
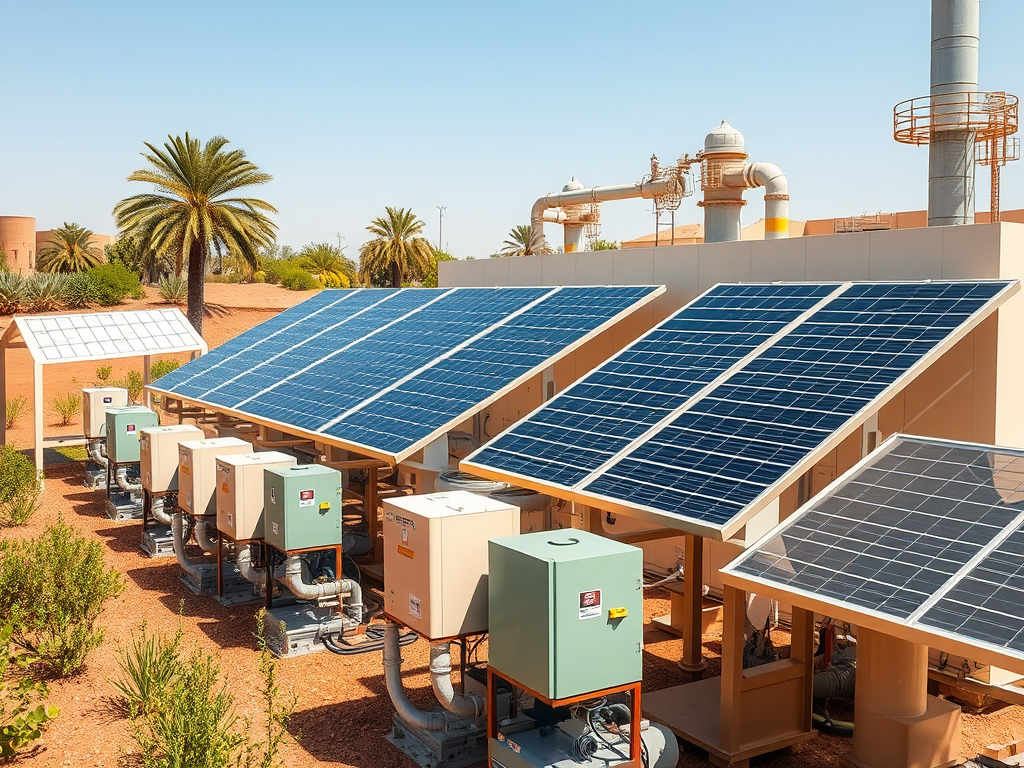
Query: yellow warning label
x,y
617,613
224,487
406,552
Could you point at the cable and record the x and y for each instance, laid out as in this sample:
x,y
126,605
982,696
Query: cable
x,y
376,643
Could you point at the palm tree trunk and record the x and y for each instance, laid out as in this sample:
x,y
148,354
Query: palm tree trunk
x,y
396,275
196,284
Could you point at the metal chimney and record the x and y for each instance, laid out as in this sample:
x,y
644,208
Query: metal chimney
x,y
954,83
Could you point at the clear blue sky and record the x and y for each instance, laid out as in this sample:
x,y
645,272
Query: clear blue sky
x,y
479,106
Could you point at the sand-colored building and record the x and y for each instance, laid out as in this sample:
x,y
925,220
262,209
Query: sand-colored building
x,y
21,242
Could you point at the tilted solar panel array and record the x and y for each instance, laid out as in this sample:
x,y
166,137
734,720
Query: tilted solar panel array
x,y
927,534
669,444
385,369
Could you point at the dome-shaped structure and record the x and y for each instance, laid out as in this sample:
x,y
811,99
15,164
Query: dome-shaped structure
x,y
573,185
724,138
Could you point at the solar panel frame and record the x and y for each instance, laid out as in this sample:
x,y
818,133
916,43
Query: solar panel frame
x,y
723,532
914,627
645,295
71,338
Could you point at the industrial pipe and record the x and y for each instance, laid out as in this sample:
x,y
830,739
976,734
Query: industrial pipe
x,y
160,514
96,454
189,566
441,681
121,476
776,197
293,580
249,572
417,718
203,538
646,189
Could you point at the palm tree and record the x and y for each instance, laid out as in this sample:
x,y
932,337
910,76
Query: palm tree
x,y
328,265
522,242
398,249
189,214
70,249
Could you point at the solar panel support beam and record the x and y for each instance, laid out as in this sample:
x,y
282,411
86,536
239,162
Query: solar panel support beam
x,y
692,661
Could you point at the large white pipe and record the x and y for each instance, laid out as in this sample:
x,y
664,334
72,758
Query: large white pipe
x,y
159,511
647,189
776,197
206,542
249,572
441,681
954,70
417,718
177,535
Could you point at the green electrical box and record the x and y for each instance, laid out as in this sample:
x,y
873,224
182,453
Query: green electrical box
x,y
301,507
565,612
123,425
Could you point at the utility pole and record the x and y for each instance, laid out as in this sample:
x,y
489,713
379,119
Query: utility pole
x,y
440,226
340,238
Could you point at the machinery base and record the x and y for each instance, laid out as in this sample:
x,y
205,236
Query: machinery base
x,y
296,630
441,749
95,477
236,589
157,541
123,506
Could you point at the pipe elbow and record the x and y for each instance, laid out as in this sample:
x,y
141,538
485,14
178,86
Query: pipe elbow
x,y
769,176
243,562
178,537
417,718
441,681
203,538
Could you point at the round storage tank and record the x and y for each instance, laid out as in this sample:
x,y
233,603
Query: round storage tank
x,y
18,241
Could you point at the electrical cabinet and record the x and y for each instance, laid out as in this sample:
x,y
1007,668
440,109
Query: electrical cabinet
x,y
240,491
302,507
566,612
435,559
158,454
197,471
95,401
123,427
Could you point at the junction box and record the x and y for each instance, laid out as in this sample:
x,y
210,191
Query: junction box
x,y
240,491
197,472
123,428
95,401
302,507
158,451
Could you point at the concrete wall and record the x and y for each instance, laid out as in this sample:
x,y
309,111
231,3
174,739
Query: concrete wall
x,y
18,241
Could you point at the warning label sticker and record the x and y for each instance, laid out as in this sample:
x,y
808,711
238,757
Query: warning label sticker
x,y
415,609
306,498
590,604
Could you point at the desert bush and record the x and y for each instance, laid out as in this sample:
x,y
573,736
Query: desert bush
x,y
53,587
79,291
12,292
133,383
150,665
114,283
274,269
20,488
226,277
68,406
44,292
297,279
259,276
162,368
23,716
103,373
15,408
174,290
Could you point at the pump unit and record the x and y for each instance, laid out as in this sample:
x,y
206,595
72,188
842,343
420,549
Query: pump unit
x,y
197,472
158,453
240,491
302,507
95,402
123,428
566,612
435,559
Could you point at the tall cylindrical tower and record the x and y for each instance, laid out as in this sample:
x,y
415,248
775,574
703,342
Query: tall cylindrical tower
x,y
954,82
724,155
18,242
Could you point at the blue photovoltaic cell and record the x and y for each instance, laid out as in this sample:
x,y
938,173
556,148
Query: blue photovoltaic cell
x,y
455,384
896,536
399,364
589,423
718,456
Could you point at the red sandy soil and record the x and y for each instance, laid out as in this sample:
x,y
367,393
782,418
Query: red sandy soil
x,y
343,710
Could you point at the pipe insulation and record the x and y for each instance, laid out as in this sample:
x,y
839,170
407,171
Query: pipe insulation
x,y
647,189
293,579
189,566
203,538
243,562
417,718
776,197
441,681
158,509
96,454
121,476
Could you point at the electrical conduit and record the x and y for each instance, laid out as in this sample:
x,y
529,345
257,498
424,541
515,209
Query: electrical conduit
x,y
190,567
441,681
416,718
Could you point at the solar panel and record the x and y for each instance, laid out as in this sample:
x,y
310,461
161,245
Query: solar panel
x,y
704,445
924,533
101,335
384,370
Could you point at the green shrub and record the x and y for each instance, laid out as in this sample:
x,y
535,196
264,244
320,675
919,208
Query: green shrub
x,y
20,488
259,276
79,291
22,716
68,406
15,407
273,269
114,283
103,372
53,587
296,279
151,665
133,383
44,292
227,277
162,368
174,290
12,292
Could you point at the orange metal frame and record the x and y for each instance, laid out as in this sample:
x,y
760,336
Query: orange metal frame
x,y
990,114
634,705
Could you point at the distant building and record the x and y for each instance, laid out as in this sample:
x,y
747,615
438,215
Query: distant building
x,y
20,240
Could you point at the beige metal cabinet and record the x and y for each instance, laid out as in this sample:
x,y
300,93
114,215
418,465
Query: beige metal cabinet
x,y
197,471
240,491
158,454
95,401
